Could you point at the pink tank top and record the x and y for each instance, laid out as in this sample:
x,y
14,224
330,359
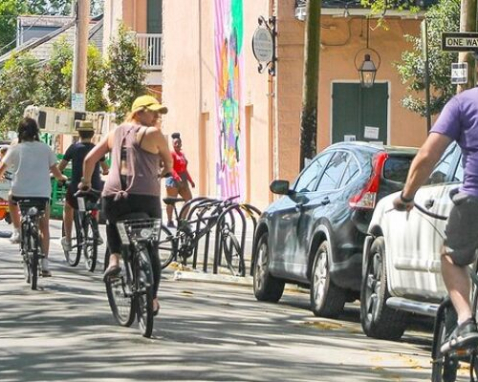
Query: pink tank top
x,y
142,166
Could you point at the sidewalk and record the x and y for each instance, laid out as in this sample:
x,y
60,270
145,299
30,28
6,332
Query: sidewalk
x,y
224,275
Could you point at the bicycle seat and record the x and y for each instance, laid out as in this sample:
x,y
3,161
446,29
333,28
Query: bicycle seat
x,y
172,201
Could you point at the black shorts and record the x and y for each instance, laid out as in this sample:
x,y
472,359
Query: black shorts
x,y
114,210
30,201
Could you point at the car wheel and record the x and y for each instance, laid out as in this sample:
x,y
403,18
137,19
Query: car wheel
x,y
326,298
378,320
266,286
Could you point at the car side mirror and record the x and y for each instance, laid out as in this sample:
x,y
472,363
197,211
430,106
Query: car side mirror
x,y
280,187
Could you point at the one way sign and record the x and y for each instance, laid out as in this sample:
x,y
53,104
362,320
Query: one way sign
x,y
459,42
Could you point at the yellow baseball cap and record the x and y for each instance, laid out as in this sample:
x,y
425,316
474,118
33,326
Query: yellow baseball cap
x,y
148,102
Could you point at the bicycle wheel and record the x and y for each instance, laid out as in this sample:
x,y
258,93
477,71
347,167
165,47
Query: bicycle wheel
x,y
90,246
73,257
120,298
166,247
34,258
233,254
444,367
25,254
143,277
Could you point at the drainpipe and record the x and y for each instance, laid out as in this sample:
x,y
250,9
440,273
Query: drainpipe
x,y
273,127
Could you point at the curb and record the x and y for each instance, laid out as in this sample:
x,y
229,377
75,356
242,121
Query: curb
x,y
212,278
226,279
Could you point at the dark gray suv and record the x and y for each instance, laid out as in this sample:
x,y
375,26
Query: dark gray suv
x,y
314,234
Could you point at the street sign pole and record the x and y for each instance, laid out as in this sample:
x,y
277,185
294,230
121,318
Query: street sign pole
x,y
463,42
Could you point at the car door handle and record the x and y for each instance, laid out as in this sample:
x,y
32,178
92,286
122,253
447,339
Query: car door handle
x,y
325,201
429,203
299,207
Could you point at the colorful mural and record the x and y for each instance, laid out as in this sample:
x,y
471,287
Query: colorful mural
x,y
229,36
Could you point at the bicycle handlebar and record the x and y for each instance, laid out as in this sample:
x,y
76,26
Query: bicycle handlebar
x,y
89,192
431,214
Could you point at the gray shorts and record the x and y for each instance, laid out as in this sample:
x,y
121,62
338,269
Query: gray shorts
x,y
461,232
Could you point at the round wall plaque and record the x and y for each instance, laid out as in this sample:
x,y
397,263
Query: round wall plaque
x,y
263,45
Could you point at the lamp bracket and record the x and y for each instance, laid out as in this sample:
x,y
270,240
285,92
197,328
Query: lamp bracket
x,y
264,44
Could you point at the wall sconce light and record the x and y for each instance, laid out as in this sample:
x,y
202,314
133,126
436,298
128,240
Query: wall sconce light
x,y
367,69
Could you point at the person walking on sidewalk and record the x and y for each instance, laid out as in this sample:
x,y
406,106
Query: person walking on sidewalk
x,y
137,147
31,162
457,122
178,182
76,153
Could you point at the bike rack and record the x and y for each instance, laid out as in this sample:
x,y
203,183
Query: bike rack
x,y
199,207
203,207
241,210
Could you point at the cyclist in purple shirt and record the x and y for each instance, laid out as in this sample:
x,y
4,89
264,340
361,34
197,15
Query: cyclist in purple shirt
x,y
457,122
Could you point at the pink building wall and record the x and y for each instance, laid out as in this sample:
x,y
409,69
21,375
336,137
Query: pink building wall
x,y
271,113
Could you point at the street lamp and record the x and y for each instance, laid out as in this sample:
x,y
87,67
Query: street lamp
x,y
367,69
367,72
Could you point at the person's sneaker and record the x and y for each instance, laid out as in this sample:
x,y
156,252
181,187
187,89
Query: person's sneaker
x,y
15,238
464,336
45,268
65,244
171,224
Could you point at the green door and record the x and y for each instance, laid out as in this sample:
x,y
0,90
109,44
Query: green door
x,y
359,113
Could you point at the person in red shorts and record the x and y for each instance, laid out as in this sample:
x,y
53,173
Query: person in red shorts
x,y
178,183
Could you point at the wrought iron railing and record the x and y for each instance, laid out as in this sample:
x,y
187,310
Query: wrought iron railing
x,y
150,44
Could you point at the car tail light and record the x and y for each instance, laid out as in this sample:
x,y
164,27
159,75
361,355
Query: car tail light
x,y
367,198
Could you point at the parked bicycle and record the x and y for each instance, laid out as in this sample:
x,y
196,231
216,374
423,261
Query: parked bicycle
x,y
87,236
130,293
32,209
202,217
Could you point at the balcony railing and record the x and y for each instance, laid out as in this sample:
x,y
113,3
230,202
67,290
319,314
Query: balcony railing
x,y
150,44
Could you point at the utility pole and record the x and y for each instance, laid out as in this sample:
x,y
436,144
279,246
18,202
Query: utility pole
x,y
424,32
80,61
468,24
310,91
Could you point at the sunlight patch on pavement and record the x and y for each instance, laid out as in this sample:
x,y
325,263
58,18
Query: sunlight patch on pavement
x,y
323,325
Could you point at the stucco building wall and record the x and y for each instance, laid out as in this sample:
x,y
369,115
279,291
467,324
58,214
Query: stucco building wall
x,y
272,105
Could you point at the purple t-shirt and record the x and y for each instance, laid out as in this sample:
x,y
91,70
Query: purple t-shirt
x,y
459,121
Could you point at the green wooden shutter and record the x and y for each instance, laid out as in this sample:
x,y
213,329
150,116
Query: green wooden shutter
x,y
155,16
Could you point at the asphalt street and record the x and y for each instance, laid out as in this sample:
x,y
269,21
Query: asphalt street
x,y
204,332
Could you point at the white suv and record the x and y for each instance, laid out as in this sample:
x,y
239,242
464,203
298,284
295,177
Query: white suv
x,y
401,259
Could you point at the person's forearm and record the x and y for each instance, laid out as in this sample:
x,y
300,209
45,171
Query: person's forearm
x,y
419,172
88,168
56,173
424,162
